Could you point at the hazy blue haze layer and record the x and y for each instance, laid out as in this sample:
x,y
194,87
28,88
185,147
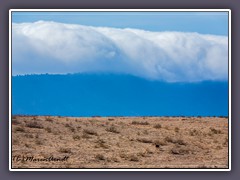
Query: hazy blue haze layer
x,y
115,95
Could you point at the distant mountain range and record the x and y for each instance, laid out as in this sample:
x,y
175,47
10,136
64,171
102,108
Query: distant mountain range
x,y
115,95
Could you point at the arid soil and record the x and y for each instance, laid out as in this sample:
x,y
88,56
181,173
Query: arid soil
x,y
119,142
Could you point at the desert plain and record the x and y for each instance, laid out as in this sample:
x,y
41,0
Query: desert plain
x,y
119,142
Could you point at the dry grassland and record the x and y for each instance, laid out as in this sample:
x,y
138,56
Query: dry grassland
x,y
120,142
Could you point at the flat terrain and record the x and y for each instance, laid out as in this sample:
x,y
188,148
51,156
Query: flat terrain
x,y
119,142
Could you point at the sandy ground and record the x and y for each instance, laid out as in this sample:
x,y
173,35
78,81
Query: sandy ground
x,y
119,142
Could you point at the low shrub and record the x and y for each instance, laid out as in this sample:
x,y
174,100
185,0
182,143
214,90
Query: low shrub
x,y
19,129
76,137
90,132
157,126
65,150
100,157
140,122
34,124
179,150
144,140
113,129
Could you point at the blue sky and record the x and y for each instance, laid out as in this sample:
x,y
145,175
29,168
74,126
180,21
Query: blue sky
x,y
201,22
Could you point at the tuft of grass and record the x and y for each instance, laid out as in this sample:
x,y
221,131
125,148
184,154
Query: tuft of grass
x,y
133,157
65,150
48,129
56,132
129,157
29,136
70,127
67,125
27,145
90,132
140,122
113,129
169,139
39,142
144,140
123,155
148,151
115,159
176,129
49,119
145,132
175,141
180,142
15,121
157,126
193,132
19,129
76,137
225,143
101,143
215,131
218,147
34,124
86,136
179,150
167,128
143,154
100,157
15,141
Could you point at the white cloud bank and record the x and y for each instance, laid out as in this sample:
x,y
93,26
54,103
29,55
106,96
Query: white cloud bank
x,y
56,48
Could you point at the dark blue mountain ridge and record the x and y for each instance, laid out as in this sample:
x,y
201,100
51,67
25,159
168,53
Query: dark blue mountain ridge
x,y
115,95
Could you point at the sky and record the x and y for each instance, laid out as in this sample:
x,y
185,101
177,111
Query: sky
x,y
164,46
120,63
202,22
